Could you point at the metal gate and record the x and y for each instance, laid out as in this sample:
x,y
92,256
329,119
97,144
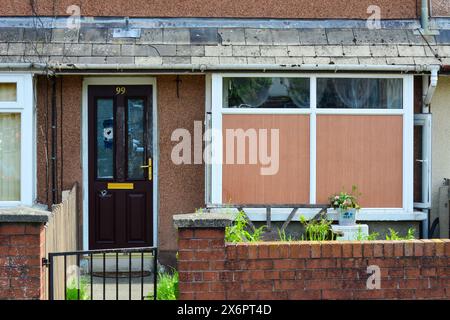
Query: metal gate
x,y
110,274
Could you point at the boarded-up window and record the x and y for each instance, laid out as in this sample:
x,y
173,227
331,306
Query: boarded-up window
x,y
244,183
366,151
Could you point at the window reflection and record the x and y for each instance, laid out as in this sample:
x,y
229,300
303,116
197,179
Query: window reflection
x,y
266,92
359,93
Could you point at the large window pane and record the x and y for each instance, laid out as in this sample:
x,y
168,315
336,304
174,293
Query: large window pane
x,y
9,157
105,138
359,93
8,92
266,92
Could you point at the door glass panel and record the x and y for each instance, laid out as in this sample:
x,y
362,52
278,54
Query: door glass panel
x,y
105,139
136,143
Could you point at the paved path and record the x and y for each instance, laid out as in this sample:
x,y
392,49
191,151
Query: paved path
x,y
123,287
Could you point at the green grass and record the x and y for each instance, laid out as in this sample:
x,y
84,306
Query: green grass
x,y
72,290
167,288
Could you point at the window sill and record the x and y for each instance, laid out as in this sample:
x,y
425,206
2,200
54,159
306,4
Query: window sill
x,y
388,214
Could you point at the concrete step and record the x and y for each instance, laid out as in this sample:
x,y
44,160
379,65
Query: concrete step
x,y
121,263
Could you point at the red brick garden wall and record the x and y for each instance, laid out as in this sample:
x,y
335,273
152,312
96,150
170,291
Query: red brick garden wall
x,y
209,268
22,248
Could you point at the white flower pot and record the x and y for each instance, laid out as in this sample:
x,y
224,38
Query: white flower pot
x,y
347,217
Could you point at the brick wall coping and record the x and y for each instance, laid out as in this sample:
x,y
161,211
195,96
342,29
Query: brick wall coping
x,y
204,220
341,249
24,214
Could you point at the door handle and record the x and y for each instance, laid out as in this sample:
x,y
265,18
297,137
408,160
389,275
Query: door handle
x,y
150,168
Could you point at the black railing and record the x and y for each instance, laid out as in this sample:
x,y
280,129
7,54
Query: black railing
x,y
117,272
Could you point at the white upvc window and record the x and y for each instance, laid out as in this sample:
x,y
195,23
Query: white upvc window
x,y
16,140
396,99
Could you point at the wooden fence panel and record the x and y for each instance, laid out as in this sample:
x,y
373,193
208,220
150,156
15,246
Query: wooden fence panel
x,y
61,235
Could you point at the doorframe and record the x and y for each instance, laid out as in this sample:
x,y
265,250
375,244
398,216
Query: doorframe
x,y
117,80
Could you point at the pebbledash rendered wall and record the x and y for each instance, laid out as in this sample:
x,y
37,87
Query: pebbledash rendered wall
x,y
210,268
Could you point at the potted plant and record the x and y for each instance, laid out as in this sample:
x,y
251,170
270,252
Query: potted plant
x,y
347,207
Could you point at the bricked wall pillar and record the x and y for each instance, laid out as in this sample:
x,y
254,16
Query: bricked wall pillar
x,y
22,247
201,255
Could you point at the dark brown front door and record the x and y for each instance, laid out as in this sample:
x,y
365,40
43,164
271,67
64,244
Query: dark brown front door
x,y
120,166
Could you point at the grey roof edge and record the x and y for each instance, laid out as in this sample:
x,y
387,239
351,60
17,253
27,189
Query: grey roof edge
x,y
23,214
225,67
142,22
204,220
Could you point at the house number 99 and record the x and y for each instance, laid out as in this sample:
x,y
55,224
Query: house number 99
x,y
120,90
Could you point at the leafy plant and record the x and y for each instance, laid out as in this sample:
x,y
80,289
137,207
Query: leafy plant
x,y
345,200
394,235
283,237
370,237
317,230
238,232
72,290
167,286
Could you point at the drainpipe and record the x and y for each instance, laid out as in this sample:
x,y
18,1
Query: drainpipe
x,y
424,17
429,86
54,143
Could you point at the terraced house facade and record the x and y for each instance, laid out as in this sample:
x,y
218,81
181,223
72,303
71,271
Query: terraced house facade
x,y
92,93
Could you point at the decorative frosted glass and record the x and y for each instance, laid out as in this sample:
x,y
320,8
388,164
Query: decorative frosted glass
x,y
135,137
105,139
10,157
8,92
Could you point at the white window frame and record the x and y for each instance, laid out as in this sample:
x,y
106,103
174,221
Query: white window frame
x,y
425,121
24,106
404,213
